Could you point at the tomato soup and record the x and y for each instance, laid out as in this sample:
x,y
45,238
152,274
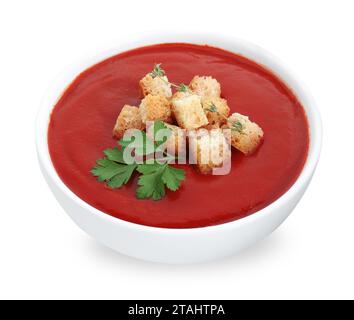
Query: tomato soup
x,y
81,128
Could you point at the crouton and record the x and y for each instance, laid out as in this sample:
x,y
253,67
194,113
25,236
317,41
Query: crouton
x,y
128,118
216,110
205,86
155,86
154,108
245,134
188,111
210,150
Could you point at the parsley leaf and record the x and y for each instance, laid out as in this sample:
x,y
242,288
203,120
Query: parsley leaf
x,y
123,177
114,154
155,177
115,174
149,168
172,177
150,183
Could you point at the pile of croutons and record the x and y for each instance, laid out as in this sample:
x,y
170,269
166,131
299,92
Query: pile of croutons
x,y
198,106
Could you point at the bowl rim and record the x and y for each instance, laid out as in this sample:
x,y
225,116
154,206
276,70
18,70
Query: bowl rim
x,y
247,49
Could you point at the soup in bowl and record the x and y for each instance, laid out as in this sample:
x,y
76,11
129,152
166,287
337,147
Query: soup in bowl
x,y
179,211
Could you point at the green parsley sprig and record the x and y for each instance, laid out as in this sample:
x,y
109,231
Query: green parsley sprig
x,y
154,177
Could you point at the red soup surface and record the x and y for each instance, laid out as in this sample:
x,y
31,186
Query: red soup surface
x,y
82,121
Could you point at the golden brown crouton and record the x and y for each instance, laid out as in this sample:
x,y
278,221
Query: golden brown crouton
x,y
205,86
188,111
245,134
155,86
129,118
210,150
155,108
216,110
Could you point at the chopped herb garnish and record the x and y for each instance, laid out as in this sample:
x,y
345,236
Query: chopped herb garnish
x,y
182,88
212,108
157,71
237,126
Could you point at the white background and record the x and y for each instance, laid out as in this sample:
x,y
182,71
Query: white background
x,y
44,255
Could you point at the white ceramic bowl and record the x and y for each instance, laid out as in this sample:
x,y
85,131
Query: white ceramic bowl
x,y
180,245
